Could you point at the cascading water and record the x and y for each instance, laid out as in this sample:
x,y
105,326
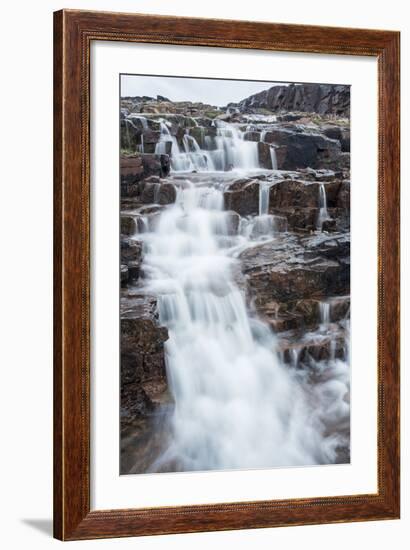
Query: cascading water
x,y
273,158
235,404
141,146
323,214
264,188
324,312
227,150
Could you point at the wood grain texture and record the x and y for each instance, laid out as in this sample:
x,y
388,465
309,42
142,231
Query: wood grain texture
x,y
73,33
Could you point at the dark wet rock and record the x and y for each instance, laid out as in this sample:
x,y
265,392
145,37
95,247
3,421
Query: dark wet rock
x,y
147,192
133,270
159,193
298,219
131,250
141,166
131,258
299,193
124,274
128,225
129,189
130,135
318,98
242,196
143,377
298,200
149,140
320,174
303,314
152,179
341,134
329,225
290,117
293,268
304,149
311,348
281,152
264,155
339,308
166,194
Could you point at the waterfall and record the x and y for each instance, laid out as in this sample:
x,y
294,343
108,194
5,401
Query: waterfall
x,y
141,146
273,157
264,188
235,404
272,151
324,313
323,215
233,151
227,150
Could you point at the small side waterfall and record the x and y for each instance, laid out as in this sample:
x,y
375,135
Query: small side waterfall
x,y
324,313
323,214
273,158
264,188
141,146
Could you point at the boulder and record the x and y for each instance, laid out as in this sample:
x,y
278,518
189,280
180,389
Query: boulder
x,y
242,196
342,134
265,155
298,193
166,194
158,193
304,149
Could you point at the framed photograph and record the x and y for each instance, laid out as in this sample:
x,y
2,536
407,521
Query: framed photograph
x,y
226,275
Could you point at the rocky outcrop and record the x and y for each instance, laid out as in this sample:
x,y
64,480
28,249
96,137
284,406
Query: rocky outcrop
x,y
339,133
292,268
324,99
143,377
131,258
304,149
242,196
294,197
138,167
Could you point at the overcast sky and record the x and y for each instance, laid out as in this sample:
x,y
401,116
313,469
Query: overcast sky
x,y
213,92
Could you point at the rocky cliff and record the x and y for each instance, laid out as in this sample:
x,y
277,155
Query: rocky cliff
x,y
324,99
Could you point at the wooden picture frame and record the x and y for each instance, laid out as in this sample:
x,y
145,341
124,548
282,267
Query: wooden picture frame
x,y
74,32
